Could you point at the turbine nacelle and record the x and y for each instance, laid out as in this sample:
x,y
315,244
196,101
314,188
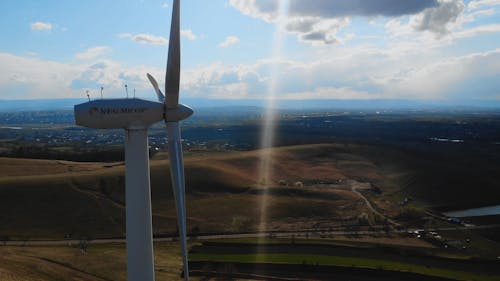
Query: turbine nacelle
x,y
119,113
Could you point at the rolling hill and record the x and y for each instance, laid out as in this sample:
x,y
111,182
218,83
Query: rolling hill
x,y
311,186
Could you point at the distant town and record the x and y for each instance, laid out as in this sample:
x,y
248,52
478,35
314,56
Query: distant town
x,y
53,133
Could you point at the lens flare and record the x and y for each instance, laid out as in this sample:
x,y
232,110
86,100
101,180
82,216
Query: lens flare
x,y
269,121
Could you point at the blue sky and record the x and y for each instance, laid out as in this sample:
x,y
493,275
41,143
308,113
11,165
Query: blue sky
x,y
250,49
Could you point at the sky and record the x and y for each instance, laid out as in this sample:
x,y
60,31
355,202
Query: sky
x,y
253,49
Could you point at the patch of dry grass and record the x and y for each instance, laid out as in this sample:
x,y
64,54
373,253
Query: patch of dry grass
x,y
14,167
100,262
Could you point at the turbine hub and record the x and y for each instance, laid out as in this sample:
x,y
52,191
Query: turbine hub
x,y
177,114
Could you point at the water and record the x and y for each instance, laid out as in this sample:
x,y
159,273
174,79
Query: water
x,y
476,212
12,128
447,140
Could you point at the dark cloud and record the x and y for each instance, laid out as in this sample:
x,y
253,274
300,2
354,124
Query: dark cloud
x,y
318,21
266,6
340,8
436,20
318,36
301,24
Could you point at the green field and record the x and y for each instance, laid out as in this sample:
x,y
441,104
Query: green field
x,y
351,255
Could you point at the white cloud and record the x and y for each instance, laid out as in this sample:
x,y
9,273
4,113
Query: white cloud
x,y
92,53
229,41
32,77
475,14
398,69
112,75
354,74
454,77
478,30
481,3
296,80
41,26
143,38
361,74
188,33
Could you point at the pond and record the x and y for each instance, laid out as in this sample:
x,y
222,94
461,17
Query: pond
x,y
476,212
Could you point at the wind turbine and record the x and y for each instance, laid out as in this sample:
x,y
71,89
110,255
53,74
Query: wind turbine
x,y
136,116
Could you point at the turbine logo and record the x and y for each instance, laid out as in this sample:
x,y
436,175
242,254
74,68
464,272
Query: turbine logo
x,y
124,110
93,110
107,111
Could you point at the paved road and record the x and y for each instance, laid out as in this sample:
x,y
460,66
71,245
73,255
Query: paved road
x,y
309,233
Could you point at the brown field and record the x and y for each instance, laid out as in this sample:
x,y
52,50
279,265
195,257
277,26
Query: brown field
x,y
98,263
55,199
342,187
13,167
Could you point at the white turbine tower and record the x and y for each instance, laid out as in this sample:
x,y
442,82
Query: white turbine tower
x,y
136,116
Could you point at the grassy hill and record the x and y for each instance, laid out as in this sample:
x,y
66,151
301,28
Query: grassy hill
x,y
323,186
56,199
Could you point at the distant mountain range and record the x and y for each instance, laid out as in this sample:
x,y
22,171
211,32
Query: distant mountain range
x,y
379,104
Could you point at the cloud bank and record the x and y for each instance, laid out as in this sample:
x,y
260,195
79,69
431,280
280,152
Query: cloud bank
x,y
417,53
364,75
320,22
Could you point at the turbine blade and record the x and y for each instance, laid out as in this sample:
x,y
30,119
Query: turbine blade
x,y
172,76
177,174
160,95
